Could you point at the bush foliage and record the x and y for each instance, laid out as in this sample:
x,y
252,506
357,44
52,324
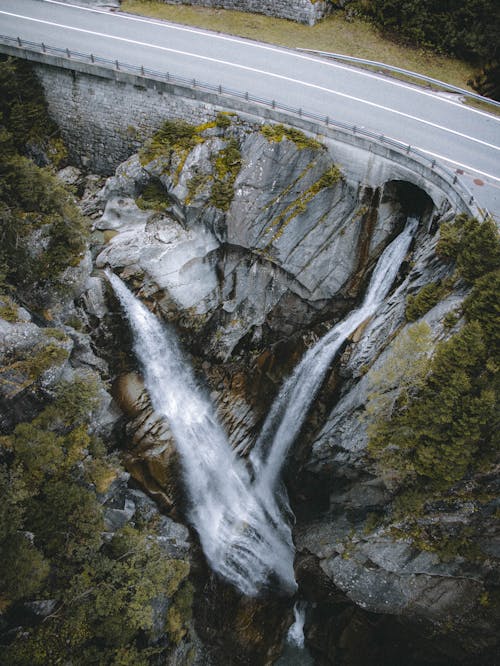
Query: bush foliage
x,y
51,537
429,296
42,231
467,30
94,588
24,111
431,438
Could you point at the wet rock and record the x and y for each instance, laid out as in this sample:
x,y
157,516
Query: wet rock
x,y
70,175
286,245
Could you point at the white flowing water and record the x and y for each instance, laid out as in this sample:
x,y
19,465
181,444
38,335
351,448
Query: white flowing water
x,y
242,522
244,536
295,634
290,407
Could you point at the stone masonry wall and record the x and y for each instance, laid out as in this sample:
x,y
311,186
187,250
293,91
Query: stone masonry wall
x,y
104,121
302,11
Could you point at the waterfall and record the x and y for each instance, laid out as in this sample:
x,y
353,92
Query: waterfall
x,y
295,635
290,408
242,521
243,535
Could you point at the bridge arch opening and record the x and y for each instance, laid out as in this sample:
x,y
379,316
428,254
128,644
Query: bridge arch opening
x,y
407,199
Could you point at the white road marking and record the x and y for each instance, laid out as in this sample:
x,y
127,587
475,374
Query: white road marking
x,y
459,164
283,51
258,71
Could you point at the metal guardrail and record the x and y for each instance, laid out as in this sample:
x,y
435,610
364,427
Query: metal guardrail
x,y
405,72
166,77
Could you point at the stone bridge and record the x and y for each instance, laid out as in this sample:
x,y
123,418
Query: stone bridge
x,y
105,113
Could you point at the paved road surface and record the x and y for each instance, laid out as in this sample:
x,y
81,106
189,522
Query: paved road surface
x,y
464,139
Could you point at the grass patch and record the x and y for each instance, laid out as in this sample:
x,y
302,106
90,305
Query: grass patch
x,y
227,165
276,134
173,135
9,310
355,38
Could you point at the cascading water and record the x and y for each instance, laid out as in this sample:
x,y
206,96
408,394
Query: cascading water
x,y
295,634
244,536
242,522
290,408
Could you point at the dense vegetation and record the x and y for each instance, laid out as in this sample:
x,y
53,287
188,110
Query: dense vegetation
x,y
467,30
96,591
434,422
73,589
41,233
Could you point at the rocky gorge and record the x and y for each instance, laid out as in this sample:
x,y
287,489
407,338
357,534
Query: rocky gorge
x,y
251,243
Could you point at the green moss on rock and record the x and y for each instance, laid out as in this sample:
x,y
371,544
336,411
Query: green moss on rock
x,y
226,165
276,134
180,613
299,205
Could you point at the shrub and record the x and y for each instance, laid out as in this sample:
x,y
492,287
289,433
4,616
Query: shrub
x,y
429,296
482,305
51,521
31,199
23,111
473,245
222,120
468,30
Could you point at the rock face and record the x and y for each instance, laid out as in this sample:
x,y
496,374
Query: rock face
x,y
251,270
243,279
384,569
294,237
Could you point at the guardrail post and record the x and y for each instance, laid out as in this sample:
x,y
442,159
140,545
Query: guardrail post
x,y
327,120
68,53
220,89
408,149
194,83
117,64
273,103
433,164
19,41
43,47
471,200
455,178
92,57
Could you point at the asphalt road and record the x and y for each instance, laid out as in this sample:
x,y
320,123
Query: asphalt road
x,y
460,137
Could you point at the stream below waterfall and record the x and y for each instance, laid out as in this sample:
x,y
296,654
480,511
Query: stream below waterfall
x,y
242,516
